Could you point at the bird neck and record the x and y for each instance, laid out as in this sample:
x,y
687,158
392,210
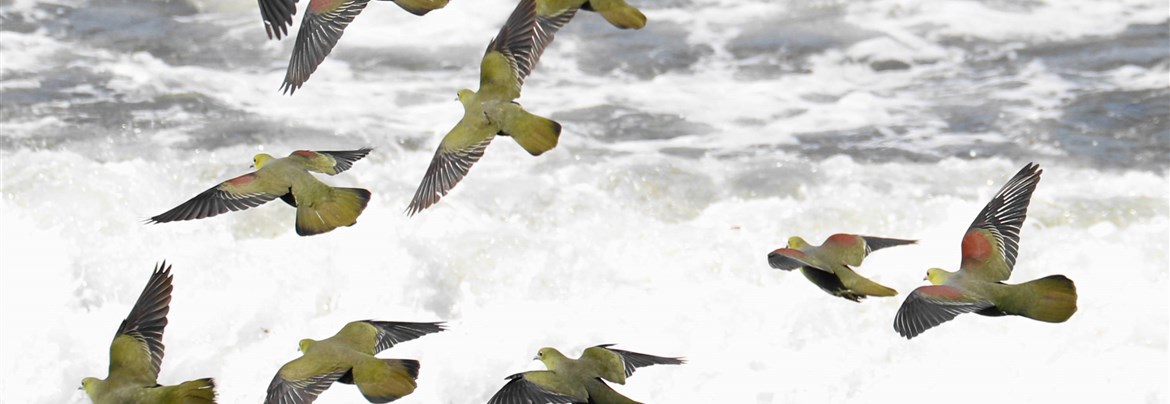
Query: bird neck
x,y
796,243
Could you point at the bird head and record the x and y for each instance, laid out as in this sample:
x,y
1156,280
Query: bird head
x,y
796,243
937,276
89,384
305,344
465,96
551,357
259,160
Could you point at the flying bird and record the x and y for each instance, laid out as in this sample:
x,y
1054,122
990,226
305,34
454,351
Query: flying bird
x,y
492,111
579,380
320,208
137,353
989,250
829,265
322,26
348,357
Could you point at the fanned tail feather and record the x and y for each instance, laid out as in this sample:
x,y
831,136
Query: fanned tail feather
x,y
341,207
386,380
201,391
1050,299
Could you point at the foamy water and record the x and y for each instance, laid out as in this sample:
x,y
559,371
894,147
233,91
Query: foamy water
x,y
690,150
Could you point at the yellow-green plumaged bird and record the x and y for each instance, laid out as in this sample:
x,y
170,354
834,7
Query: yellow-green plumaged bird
x,y
989,250
617,12
348,357
322,26
320,208
829,265
137,353
492,111
579,380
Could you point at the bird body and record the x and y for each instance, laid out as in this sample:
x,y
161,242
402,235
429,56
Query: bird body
x,y
617,12
579,380
348,357
136,355
492,109
829,265
320,207
989,250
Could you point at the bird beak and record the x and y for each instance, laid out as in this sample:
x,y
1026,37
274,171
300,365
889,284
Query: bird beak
x,y
252,166
536,358
925,278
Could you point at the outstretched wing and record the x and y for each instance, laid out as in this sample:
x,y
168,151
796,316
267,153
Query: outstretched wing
x,y
277,16
137,350
389,333
328,162
243,192
521,390
616,365
929,306
520,42
993,240
789,259
458,151
324,22
301,381
851,249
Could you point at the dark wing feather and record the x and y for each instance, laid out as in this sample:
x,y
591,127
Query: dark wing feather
x,y
447,169
876,243
634,360
391,332
282,391
215,201
781,259
830,283
519,390
319,33
524,36
346,158
1004,216
148,319
277,16
929,306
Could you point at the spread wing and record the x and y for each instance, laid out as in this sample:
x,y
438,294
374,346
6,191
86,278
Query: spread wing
x,y
137,350
993,240
521,389
389,333
328,162
458,151
301,381
277,16
616,365
243,192
929,306
520,42
324,22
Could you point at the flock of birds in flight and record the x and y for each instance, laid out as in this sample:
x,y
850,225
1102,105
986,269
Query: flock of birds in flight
x,y
989,247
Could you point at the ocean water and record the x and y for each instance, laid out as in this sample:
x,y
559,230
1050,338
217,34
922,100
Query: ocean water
x,y
690,150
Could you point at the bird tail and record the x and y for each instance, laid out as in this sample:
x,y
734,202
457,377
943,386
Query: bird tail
x,y
534,133
420,7
620,14
200,391
1050,299
860,285
338,207
385,380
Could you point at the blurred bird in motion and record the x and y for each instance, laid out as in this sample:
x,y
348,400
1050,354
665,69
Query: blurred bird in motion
x,y
322,26
989,250
829,265
619,13
348,357
137,353
492,111
320,208
579,380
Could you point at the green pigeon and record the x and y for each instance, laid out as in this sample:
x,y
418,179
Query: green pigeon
x,y
348,357
989,252
619,13
137,353
579,380
320,29
829,265
492,111
320,208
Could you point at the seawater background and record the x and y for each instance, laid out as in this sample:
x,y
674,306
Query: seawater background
x,y
691,148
